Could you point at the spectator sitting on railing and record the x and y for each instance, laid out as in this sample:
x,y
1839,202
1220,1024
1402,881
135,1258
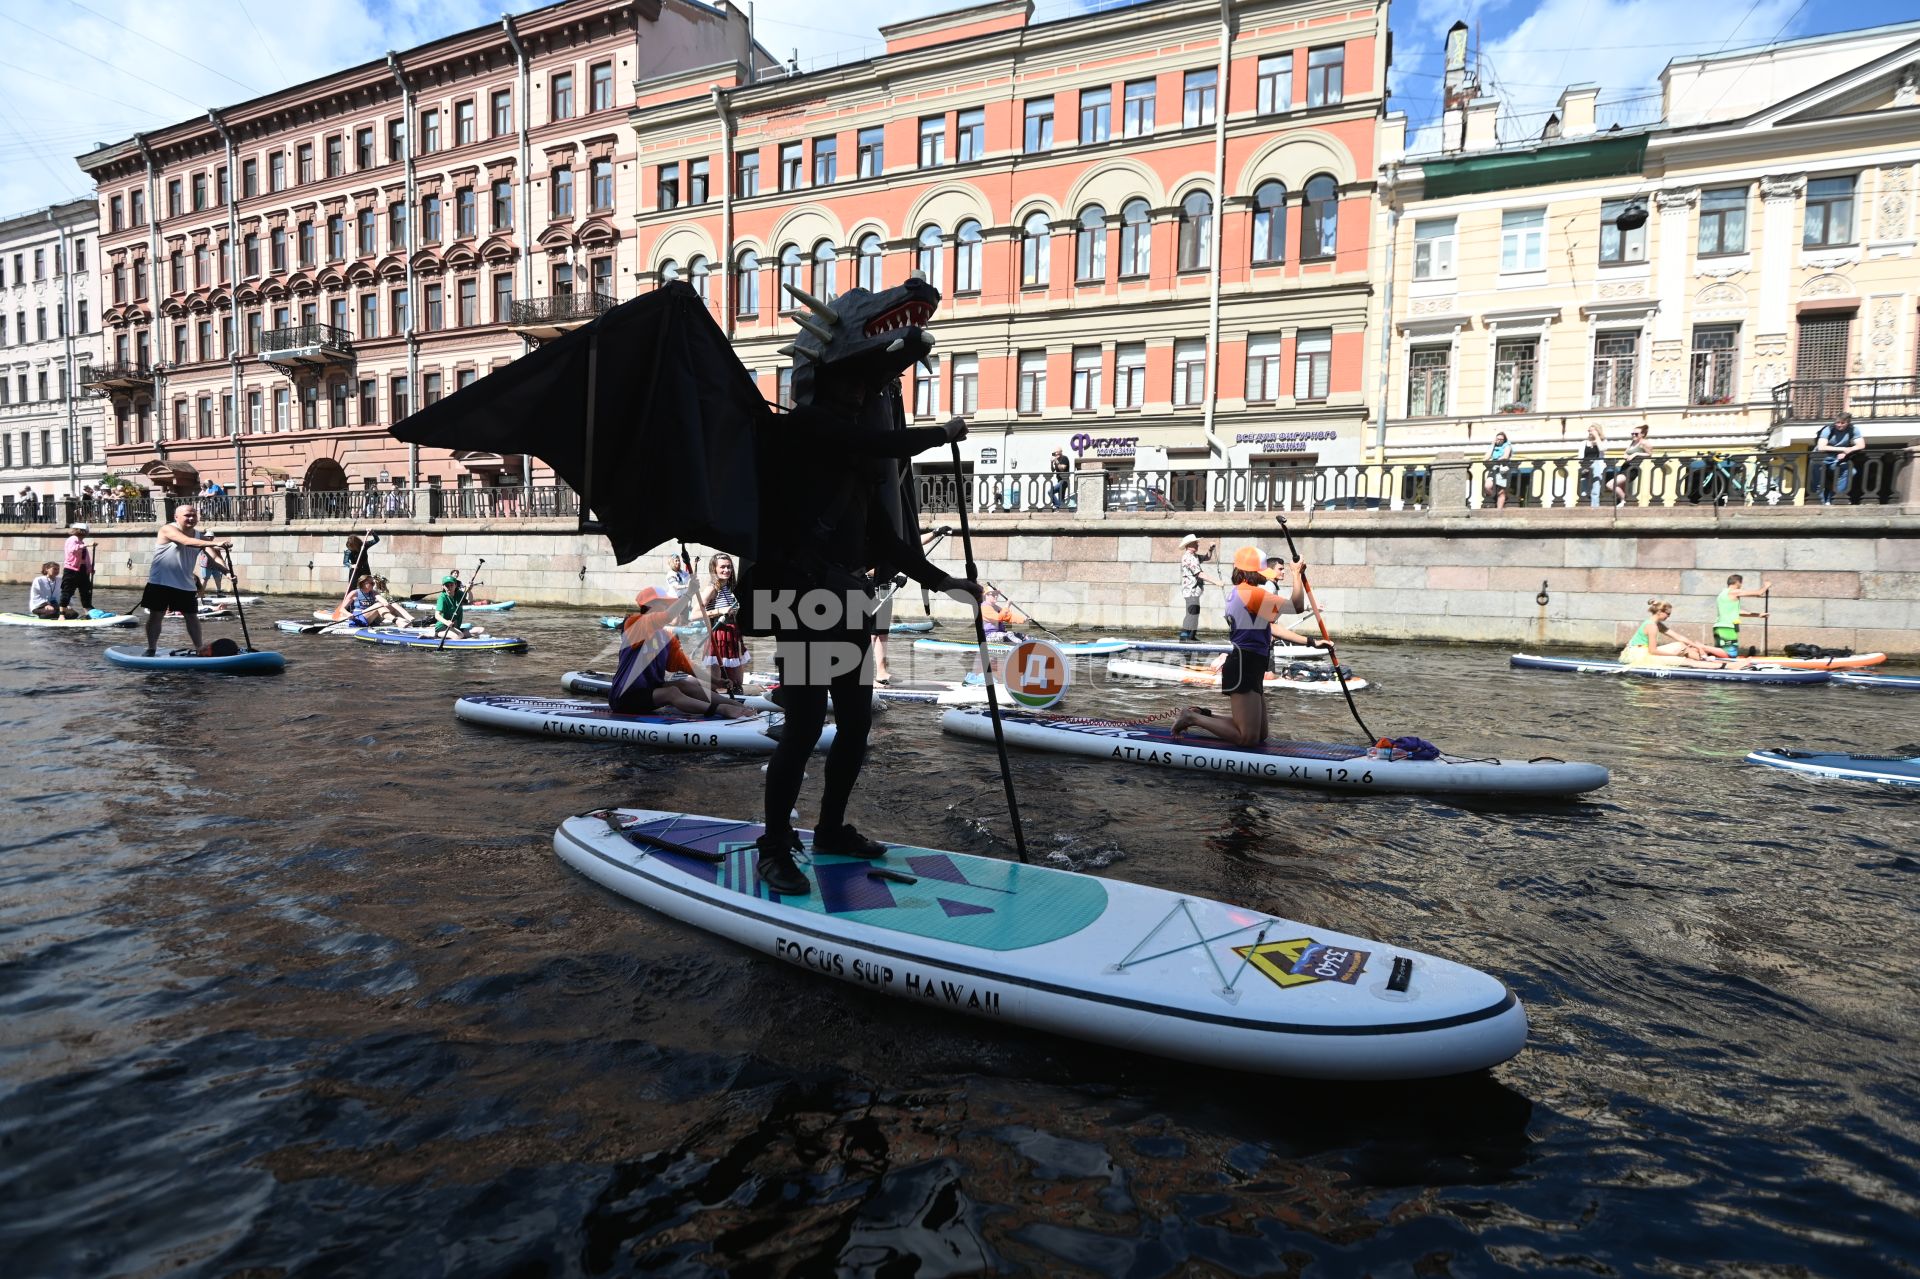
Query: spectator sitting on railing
x,y
1629,473
1835,444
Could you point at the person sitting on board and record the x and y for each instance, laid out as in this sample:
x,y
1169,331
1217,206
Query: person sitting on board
x,y
999,617
727,652
654,673
43,597
76,571
366,606
1726,623
170,583
450,607
1654,644
1253,614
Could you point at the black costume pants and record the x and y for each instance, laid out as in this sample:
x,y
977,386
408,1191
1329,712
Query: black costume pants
x,y
76,579
813,669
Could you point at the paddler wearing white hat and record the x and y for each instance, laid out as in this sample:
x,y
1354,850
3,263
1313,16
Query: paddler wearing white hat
x,y
1192,581
76,570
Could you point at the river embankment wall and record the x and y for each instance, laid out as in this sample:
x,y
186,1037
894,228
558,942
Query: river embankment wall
x,y
1841,576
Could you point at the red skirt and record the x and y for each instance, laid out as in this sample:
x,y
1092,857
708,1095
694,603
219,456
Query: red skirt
x,y
725,646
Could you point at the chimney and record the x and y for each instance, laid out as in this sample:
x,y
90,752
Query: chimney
x,y
1482,115
1392,145
1459,88
1576,110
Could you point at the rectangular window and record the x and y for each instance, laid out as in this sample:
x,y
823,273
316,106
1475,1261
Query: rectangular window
x,y
203,331
1273,87
971,139
926,389
1433,249
136,209
696,182
1033,381
309,245
465,123
600,86
464,379
466,213
501,212
199,192
82,316
966,385
277,171
117,215
396,227
1086,378
1136,111
1829,213
1514,363
1723,221
1130,375
502,297
562,96
1189,371
1039,126
277,249
220,184
1523,235
369,401
826,161
396,141
1615,357
1716,355
870,152
337,402
429,131
933,141
305,154
336,155
469,303
1263,368
746,174
436,309
601,176
793,171
401,312
1428,370
205,416
1198,98
363,157
1312,363
1618,246
562,190
501,107
282,405
1326,73
429,389
783,386
1096,115
397,398
173,201
368,227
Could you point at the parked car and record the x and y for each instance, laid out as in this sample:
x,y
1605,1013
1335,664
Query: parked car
x,y
1137,497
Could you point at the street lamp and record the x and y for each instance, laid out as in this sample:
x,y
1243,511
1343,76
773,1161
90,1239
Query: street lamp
x,y
385,478
1634,216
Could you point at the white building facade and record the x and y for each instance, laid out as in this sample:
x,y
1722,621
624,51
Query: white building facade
x,y
50,442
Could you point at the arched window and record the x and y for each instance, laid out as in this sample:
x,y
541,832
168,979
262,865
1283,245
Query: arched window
x,y
1320,220
1269,223
1090,246
1196,232
746,284
926,257
669,271
1136,239
793,265
966,257
870,251
1036,243
698,271
826,270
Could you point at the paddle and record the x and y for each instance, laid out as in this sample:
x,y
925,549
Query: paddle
x,y
1333,658
986,663
1766,607
233,572
460,598
1035,622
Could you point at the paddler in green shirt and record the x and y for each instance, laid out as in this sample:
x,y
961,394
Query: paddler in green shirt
x,y
450,608
1726,624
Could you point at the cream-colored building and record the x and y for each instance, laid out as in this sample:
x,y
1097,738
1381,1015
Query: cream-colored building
x,y
1772,284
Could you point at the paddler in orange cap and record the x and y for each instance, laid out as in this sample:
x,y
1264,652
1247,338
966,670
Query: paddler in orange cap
x,y
1253,610
654,673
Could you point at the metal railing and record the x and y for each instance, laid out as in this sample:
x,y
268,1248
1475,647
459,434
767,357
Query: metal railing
x,y
351,504
563,308
1871,478
119,371
1823,399
505,503
299,337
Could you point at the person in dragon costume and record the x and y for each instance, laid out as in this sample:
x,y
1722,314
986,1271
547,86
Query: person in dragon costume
x,y
835,503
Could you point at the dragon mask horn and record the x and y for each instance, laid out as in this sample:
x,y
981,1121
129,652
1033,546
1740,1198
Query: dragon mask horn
x,y
812,303
819,330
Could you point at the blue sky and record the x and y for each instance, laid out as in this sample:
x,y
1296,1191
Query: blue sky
x,y
81,71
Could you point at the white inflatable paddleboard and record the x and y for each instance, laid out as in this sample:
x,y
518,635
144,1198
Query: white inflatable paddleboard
x,y
1167,673
1079,648
257,663
1655,670
1104,960
1894,770
1324,765
1204,646
592,721
599,684
70,624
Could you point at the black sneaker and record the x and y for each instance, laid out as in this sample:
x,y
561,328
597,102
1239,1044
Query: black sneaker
x,y
776,868
845,841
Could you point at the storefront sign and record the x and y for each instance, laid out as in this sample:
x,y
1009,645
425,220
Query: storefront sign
x,y
1284,441
989,457
1104,445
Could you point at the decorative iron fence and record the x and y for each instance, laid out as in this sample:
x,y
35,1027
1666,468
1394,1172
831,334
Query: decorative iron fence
x,y
514,502
1823,399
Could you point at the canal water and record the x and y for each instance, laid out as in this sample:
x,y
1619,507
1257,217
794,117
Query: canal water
x,y
291,983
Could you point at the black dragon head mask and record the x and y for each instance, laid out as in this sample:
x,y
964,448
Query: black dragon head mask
x,y
860,342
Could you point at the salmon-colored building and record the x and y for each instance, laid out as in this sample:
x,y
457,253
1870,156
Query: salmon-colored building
x,y
284,279
1150,223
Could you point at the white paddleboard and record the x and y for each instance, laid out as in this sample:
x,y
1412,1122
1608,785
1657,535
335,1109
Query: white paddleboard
x,y
1078,648
1323,765
1204,646
591,721
69,624
1097,959
599,684
1167,673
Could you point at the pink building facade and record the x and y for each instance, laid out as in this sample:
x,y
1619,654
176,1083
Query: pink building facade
x,y
283,280
1150,226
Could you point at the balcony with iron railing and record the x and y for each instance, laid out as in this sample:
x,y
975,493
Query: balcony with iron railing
x,y
306,345
544,319
1820,400
120,375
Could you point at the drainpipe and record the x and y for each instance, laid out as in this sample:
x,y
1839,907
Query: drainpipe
x,y
233,304
413,293
154,279
726,203
73,378
1219,227
525,220
1390,194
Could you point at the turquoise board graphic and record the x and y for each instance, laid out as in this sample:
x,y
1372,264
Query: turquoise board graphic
x,y
971,901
